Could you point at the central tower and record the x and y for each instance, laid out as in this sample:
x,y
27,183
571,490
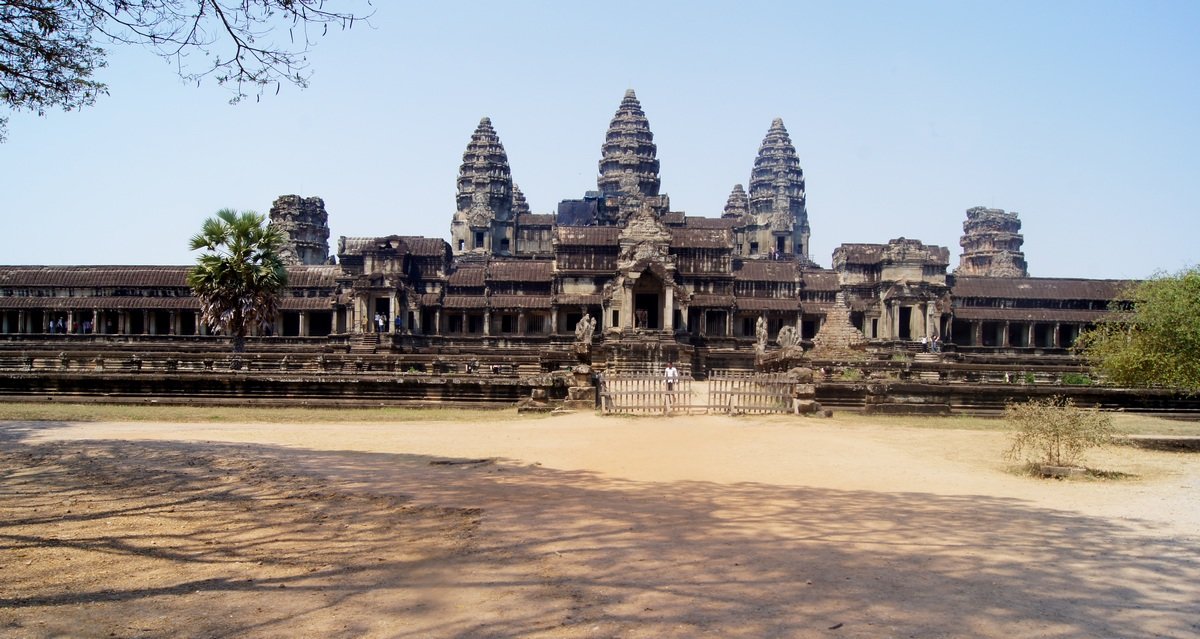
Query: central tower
x,y
629,146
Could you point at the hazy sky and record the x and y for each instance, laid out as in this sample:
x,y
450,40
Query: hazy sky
x,y
1083,117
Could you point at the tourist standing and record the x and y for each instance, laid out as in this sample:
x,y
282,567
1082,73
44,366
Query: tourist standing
x,y
671,374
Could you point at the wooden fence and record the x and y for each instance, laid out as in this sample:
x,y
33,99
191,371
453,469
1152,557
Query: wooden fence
x,y
730,392
749,392
645,394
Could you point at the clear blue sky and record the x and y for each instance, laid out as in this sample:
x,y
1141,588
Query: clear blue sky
x,y
1082,116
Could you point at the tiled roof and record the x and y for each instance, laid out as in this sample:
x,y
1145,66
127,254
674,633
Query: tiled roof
x,y
535,219
426,246
580,300
587,235
700,238
768,304
766,271
710,222
465,301
705,299
94,276
412,244
1038,288
820,280
313,276
430,299
520,271
467,276
519,301
101,303
1028,314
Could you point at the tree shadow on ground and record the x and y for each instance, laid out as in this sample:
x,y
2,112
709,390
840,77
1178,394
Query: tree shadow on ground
x,y
233,540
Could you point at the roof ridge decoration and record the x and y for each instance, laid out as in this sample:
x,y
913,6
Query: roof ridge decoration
x,y
629,146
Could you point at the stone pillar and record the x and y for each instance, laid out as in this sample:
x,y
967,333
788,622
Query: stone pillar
x,y
465,326
147,325
521,323
627,321
487,322
669,309
1030,334
1056,338
895,321
201,329
437,322
977,333
21,321
303,321
1004,335
553,320
728,322
393,312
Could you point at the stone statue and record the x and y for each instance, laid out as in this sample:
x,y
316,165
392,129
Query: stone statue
x,y
585,329
788,337
760,334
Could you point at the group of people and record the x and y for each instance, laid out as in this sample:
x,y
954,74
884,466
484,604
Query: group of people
x,y
59,326
932,344
381,323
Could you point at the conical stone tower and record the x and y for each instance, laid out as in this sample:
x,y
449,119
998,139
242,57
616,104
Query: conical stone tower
x,y
520,205
777,199
484,220
737,206
306,224
629,146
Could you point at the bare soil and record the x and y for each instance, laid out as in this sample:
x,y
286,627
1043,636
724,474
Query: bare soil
x,y
582,526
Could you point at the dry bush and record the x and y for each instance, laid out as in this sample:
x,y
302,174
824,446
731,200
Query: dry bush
x,y
1054,431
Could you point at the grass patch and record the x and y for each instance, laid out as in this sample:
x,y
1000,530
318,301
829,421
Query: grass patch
x,y
67,412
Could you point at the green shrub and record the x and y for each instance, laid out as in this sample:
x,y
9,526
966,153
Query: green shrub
x,y
1054,431
851,375
1076,379
1029,378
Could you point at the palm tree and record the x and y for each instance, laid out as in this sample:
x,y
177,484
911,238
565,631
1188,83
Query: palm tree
x,y
240,276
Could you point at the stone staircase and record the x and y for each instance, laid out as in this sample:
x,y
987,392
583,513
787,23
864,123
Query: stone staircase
x,y
364,343
927,373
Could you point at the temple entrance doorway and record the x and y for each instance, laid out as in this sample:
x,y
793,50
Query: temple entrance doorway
x,y
647,302
905,323
645,311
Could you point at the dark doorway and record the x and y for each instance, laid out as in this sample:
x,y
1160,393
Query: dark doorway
x,y
905,321
646,310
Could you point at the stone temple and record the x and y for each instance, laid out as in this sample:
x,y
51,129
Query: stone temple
x,y
513,284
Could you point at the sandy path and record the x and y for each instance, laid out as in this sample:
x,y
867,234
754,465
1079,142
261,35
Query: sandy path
x,y
713,526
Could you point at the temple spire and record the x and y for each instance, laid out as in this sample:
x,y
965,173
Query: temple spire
x,y
777,198
629,146
737,206
485,195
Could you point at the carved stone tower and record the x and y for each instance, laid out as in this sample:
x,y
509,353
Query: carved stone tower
x,y
737,206
629,147
306,224
483,223
520,205
780,219
991,244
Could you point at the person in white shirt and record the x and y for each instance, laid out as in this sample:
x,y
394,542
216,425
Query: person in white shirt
x,y
672,375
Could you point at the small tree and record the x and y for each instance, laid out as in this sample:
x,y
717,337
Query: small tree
x,y
1156,340
1054,431
241,276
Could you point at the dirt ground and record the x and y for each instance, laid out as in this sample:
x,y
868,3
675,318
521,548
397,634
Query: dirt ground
x,y
583,526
